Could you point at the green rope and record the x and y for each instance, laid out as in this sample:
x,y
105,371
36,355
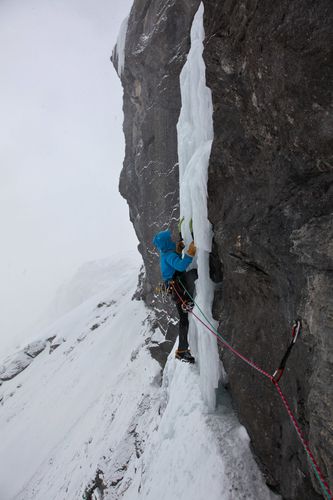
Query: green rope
x,y
203,314
323,487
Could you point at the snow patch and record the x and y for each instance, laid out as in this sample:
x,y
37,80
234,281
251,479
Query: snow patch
x,y
80,401
192,453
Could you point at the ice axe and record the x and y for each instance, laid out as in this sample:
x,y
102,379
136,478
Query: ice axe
x,y
191,228
190,225
180,229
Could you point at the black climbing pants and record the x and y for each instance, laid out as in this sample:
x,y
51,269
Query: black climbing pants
x,y
187,278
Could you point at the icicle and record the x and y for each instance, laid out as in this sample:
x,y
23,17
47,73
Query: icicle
x,y
119,50
195,136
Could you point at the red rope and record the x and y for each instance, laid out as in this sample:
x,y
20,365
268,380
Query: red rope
x,y
301,436
278,388
223,342
241,356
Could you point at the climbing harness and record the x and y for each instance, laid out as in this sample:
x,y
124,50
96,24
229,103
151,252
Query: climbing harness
x,y
175,286
296,330
274,379
163,290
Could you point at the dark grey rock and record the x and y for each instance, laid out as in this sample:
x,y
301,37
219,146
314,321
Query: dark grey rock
x,y
55,343
157,43
161,351
269,65
96,487
54,346
35,348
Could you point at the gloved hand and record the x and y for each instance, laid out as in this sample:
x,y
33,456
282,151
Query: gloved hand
x,y
180,246
191,249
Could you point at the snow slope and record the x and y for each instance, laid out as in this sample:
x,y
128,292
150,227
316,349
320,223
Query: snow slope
x,y
57,414
90,419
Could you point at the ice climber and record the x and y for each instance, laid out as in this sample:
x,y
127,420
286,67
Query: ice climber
x,y
173,269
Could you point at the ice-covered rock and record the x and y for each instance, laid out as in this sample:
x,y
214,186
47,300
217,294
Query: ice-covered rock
x,y
35,348
19,363
21,360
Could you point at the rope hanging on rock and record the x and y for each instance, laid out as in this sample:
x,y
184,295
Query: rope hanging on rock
x,y
273,378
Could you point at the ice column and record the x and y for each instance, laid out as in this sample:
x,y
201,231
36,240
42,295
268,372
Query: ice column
x,y
119,49
195,136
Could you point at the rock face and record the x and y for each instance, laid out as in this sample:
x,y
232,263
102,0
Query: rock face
x,y
269,66
270,200
157,42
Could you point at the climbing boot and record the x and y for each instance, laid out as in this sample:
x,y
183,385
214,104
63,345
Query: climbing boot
x,y
185,356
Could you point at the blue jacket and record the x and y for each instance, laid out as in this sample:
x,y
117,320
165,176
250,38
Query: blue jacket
x,y
170,260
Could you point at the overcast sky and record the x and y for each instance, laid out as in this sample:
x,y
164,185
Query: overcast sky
x,y
61,149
